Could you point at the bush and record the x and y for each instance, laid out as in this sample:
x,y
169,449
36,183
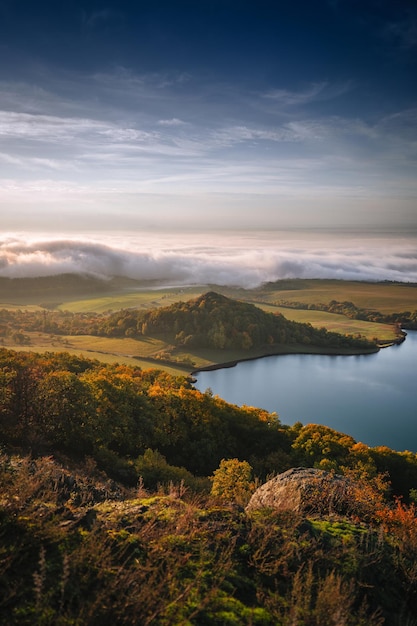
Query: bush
x,y
232,481
152,466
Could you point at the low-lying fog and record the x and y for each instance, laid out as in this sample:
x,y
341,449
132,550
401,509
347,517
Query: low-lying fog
x,y
223,258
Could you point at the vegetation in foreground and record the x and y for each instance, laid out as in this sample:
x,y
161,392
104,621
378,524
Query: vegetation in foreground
x,y
135,422
78,549
119,526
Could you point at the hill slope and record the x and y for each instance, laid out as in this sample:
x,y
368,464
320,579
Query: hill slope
x,y
215,321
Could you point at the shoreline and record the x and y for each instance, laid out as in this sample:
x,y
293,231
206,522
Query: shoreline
x,y
304,350
234,362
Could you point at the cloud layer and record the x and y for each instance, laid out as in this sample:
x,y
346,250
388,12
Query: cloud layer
x,y
141,135
244,260
270,116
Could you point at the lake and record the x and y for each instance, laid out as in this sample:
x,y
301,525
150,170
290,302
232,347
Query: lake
x,y
371,397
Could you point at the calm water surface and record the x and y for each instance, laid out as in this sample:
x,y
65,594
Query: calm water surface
x,y
371,397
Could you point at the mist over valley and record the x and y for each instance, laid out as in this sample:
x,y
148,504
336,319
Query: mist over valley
x,y
245,259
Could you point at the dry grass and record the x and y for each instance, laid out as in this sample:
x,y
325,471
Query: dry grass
x,y
137,353
76,551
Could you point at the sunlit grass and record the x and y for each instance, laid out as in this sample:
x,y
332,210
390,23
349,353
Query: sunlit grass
x,y
143,354
336,323
382,297
148,299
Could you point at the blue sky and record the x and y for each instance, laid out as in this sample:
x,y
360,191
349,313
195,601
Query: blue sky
x,y
208,114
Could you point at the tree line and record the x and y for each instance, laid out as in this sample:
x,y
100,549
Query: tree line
x,y
404,319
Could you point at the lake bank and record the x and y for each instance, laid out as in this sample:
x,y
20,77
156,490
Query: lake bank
x,y
286,350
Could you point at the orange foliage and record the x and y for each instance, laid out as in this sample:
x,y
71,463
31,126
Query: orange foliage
x,y
400,520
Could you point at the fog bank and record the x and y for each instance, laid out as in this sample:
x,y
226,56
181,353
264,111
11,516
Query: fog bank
x,y
244,259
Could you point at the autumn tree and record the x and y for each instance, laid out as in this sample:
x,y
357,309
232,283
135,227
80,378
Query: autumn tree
x,y
232,481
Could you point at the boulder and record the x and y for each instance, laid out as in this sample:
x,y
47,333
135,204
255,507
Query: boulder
x,y
304,490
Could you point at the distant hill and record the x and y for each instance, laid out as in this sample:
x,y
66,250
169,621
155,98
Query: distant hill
x,y
215,321
61,286
45,285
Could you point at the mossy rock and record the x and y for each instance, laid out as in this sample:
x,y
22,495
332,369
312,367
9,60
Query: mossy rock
x,y
304,490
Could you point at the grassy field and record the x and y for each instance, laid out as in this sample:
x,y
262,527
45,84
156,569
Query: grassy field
x,y
145,299
335,323
383,297
144,354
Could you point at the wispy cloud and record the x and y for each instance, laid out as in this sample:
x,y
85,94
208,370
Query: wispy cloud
x,y
57,129
174,121
312,93
126,133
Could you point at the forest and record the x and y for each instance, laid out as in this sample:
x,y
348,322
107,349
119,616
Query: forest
x,y
58,402
215,321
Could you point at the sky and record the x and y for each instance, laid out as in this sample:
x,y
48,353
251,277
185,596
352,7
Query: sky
x,y
207,115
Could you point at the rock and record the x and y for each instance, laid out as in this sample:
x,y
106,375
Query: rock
x,y
304,490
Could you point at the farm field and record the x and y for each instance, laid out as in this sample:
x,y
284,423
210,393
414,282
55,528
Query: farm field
x,y
145,299
335,323
384,297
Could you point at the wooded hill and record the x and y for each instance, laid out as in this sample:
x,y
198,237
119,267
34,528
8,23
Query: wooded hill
x,y
215,321
210,321
405,319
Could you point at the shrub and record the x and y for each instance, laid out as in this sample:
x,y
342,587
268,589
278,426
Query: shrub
x,y
232,481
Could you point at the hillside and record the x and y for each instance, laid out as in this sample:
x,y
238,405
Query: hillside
x,y
79,550
107,516
72,312
54,289
214,321
184,336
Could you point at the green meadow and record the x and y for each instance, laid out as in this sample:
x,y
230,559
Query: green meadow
x,y
335,323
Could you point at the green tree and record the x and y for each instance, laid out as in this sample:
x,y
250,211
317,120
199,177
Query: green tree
x,y
233,481
65,408
121,421
152,466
